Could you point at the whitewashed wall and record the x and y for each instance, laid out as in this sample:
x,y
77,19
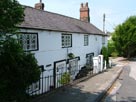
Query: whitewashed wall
x,y
50,49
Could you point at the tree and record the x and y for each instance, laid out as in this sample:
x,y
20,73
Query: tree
x,y
124,37
11,14
111,49
18,69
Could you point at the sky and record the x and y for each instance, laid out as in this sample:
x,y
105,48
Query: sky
x,y
116,11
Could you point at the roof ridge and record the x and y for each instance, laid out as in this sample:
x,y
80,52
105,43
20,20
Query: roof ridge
x,y
62,22
63,16
55,13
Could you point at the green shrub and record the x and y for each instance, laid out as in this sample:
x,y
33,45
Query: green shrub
x,y
114,54
18,70
65,78
71,55
105,54
111,47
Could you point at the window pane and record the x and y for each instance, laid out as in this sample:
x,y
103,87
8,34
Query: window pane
x,y
28,41
66,40
85,40
103,40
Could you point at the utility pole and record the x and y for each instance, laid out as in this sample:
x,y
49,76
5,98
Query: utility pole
x,y
104,22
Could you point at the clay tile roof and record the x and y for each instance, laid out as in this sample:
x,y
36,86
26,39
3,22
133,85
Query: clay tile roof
x,y
39,19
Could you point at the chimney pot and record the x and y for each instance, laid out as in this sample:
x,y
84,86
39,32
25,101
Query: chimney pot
x,y
86,4
81,5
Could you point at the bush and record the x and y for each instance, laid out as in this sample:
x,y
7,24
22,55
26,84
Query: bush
x,y
111,47
18,70
114,54
65,78
71,55
105,54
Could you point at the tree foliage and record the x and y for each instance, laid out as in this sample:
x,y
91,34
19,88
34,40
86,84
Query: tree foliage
x,y
11,14
124,37
18,69
112,49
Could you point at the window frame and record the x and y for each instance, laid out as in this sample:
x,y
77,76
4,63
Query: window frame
x,y
103,40
89,59
86,40
37,40
64,46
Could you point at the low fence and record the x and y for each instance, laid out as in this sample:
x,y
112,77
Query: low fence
x,y
51,82
46,84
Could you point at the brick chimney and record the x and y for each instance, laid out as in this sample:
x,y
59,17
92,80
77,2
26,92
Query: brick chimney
x,y
39,5
84,12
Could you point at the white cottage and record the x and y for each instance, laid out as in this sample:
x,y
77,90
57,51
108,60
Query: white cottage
x,y
52,37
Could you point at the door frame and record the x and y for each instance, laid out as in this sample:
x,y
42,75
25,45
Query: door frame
x,y
54,71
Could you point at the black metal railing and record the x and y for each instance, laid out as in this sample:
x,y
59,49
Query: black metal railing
x,y
46,84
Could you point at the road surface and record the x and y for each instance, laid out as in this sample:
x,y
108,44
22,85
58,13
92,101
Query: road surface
x,y
124,89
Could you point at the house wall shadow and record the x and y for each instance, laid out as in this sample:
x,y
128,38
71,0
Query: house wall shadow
x,y
71,94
